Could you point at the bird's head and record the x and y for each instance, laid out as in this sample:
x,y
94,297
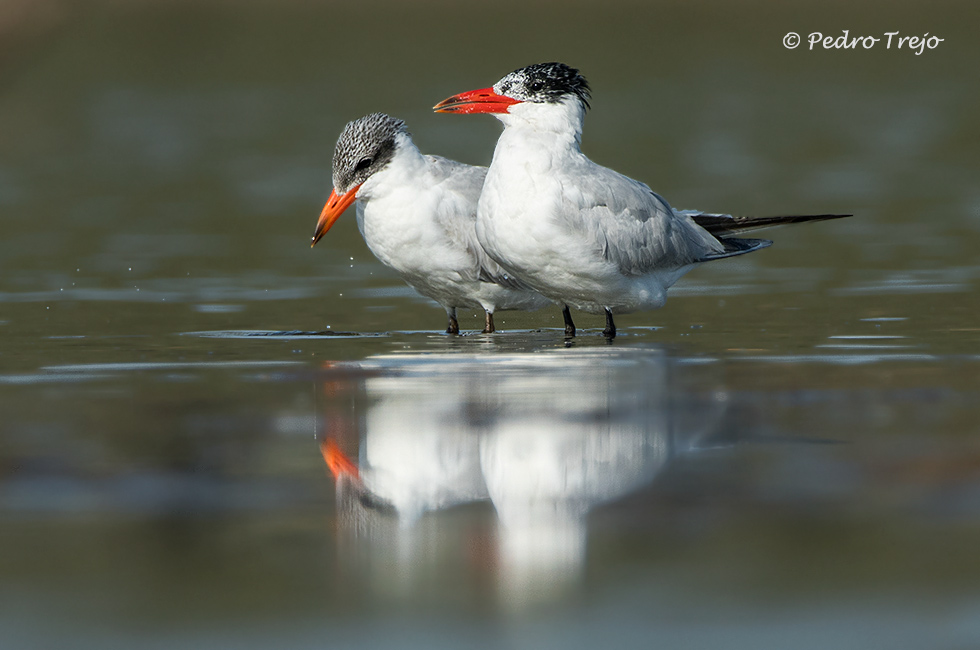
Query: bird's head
x,y
533,90
364,148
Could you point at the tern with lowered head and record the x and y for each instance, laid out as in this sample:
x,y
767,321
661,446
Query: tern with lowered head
x,y
417,214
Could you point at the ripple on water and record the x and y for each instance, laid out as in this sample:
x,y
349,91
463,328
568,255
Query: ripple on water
x,y
164,365
885,319
219,309
846,359
285,335
949,280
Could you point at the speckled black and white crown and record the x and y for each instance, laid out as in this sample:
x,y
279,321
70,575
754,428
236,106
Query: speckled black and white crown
x,y
364,147
544,83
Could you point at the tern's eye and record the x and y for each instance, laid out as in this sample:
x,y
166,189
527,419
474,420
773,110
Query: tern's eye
x,y
536,86
363,164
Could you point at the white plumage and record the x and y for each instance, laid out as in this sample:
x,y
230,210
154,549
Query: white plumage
x,y
575,231
417,214
578,232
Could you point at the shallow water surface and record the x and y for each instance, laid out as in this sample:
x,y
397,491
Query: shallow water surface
x,y
215,436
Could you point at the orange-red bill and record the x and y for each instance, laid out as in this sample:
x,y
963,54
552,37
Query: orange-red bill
x,y
337,461
335,207
482,100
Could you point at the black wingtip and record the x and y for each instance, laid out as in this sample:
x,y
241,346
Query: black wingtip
x,y
722,224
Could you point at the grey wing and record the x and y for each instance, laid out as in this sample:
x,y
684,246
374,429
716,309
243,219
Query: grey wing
x,y
462,185
634,227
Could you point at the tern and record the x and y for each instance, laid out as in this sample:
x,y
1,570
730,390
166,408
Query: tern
x,y
417,214
579,233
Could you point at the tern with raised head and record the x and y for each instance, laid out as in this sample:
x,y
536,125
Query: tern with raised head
x,y
417,214
579,233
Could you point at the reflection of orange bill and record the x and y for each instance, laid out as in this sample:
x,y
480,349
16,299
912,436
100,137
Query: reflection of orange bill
x,y
337,461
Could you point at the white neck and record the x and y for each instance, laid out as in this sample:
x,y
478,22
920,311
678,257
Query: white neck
x,y
562,121
403,167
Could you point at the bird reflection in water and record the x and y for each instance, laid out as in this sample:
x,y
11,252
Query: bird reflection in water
x,y
544,437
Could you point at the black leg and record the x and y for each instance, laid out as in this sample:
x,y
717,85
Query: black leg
x,y
489,328
569,325
610,331
453,323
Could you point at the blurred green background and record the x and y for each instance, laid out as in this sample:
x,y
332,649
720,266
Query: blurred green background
x,y
162,165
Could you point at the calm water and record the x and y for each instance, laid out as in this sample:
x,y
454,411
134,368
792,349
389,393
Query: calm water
x,y
786,455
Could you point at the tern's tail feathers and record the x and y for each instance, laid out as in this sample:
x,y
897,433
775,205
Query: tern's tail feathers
x,y
722,225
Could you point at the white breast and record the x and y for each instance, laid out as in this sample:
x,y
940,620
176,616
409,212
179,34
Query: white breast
x,y
577,232
418,217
